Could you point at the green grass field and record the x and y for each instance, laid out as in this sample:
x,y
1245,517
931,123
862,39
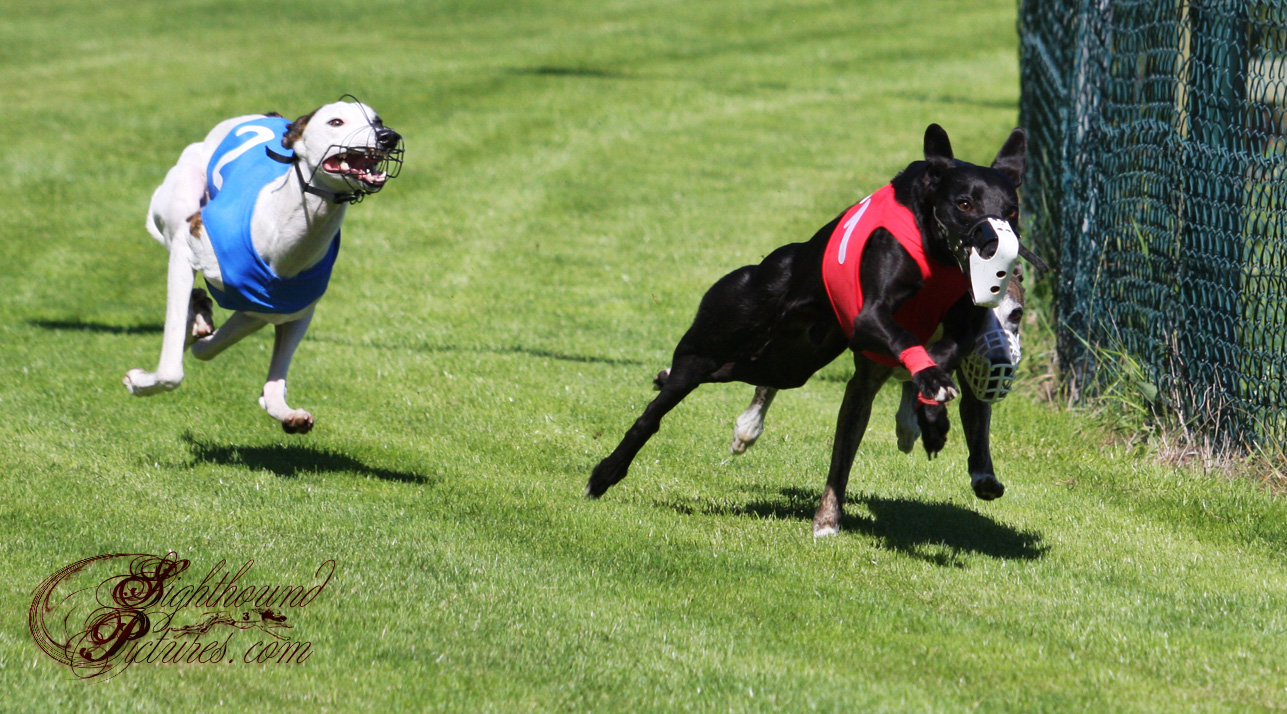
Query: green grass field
x,y
577,174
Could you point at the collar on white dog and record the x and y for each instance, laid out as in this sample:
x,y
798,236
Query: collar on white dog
x,y
989,277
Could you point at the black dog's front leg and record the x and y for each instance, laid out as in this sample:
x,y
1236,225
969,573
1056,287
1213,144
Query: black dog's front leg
x,y
976,422
851,424
889,277
946,352
934,425
958,335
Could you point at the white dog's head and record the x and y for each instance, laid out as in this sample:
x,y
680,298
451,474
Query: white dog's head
x,y
990,368
345,150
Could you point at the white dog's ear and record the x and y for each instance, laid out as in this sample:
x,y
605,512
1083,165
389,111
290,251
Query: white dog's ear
x,y
295,129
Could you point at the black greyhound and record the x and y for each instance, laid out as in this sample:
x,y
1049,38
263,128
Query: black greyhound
x,y
777,323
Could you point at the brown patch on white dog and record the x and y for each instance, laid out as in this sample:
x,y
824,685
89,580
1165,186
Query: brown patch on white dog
x,y
296,129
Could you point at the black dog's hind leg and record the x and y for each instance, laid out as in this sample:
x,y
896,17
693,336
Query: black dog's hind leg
x,y
678,382
976,422
851,424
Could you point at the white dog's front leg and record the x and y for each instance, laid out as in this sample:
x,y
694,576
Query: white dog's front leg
x,y
750,425
905,424
273,398
178,293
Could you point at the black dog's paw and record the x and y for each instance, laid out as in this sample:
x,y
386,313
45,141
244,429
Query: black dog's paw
x,y
934,424
935,384
605,475
986,487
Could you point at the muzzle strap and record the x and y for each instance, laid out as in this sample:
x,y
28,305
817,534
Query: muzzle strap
x,y
279,158
1033,258
328,195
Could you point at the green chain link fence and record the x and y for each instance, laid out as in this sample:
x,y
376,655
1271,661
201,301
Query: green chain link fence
x,y
1157,184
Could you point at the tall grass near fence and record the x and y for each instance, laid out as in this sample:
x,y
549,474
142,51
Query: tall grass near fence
x,y
1158,138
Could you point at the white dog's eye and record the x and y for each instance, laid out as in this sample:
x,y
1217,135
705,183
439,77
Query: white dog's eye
x,y
336,122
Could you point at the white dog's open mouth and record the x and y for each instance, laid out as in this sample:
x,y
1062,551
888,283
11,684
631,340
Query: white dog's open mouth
x,y
361,166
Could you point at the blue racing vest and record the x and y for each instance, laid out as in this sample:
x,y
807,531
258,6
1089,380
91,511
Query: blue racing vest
x,y
239,169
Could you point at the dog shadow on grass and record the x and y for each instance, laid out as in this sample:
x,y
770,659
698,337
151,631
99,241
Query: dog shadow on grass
x,y
291,461
937,532
83,326
511,349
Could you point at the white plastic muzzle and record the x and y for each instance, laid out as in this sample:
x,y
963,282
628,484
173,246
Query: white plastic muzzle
x,y
989,277
990,368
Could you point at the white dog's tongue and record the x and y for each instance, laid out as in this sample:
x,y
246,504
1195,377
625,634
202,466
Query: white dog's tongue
x,y
990,277
355,165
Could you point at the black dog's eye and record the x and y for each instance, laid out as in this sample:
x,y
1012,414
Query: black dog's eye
x,y
964,204
1012,214
336,122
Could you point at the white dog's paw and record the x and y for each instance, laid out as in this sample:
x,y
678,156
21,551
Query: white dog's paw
x,y
907,435
200,316
294,421
297,421
142,383
745,434
821,531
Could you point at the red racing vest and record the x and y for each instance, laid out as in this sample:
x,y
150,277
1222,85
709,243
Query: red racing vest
x,y
924,311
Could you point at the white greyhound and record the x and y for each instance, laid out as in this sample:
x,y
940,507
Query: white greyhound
x,y
256,208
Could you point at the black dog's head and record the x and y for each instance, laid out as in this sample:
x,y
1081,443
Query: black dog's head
x,y
965,210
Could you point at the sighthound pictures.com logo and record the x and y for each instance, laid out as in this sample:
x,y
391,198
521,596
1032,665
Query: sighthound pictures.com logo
x,y
100,615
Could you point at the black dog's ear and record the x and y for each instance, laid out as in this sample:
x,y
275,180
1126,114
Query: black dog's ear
x,y
1013,156
938,149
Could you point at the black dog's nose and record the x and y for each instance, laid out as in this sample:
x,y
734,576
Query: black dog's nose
x,y
985,239
387,138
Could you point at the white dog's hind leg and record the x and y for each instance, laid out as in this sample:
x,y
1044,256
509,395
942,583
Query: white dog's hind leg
x,y
178,294
273,398
200,316
750,425
238,325
905,424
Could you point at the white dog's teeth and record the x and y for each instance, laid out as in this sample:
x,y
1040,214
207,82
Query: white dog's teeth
x,y
344,165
